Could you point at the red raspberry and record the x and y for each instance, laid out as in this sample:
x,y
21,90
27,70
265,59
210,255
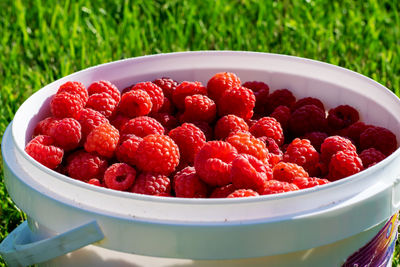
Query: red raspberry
x,y
75,88
333,144
205,128
89,119
189,139
308,118
272,159
96,182
168,121
188,184
102,140
199,108
308,182
84,166
157,153
221,82
277,187
371,156
245,143
119,176
65,105
105,87
149,183
271,145
66,133
103,103
214,161
135,103
155,93
119,121
126,150
343,164
355,130
222,191
261,91
187,89
229,124
251,122
282,115
243,193
250,173
268,127
42,149
167,107
167,85
286,172
281,97
308,101
301,152
342,116
142,126
379,138
316,139
44,126
238,101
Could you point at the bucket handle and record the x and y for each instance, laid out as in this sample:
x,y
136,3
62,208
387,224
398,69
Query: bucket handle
x,y
17,249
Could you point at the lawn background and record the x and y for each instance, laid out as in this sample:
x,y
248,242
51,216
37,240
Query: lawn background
x,y
42,41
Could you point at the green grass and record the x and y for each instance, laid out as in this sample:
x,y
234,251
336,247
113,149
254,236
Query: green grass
x,y
42,41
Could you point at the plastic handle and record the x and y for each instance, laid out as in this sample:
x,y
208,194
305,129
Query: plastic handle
x,y
17,250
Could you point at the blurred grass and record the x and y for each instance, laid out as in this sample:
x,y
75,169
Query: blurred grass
x,y
42,41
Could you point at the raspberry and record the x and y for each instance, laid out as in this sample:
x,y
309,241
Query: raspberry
x,y
261,91
75,88
271,145
245,143
119,121
213,162
222,191
103,103
89,119
243,193
66,133
167,107
282,115
250,173
105,87
168,121
355,130
251,122
221,82
157,153
342,116
142,126
308,182
205,128
272,159
333,144
189,139
41,148
308,101
149,183
379,138
343,164
126,150
119,176
167,85
268,127
66,105
301,152
95,181
44,126
102,140
199,108
155,93
229,124
188,184
308,118
276,187
187,89
84,166
238,101
371,156
286,172
135,103
281,97
316,139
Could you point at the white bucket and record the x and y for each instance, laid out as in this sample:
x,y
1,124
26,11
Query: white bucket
x,y
314,227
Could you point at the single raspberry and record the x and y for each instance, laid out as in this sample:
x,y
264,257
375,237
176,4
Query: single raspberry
x,y
268,127
221,82
190,139
301,152
142,126
119,121
333,144
43,127
277,187
286,172
84,166
135,103
119,176
155,92
243,193
271,145
105,87
272,159
281,97
199,108
249,173
188,184
167,85
342,116
65,105
103,103
96,182
42,149
343,164
126,150
102,140
308,101
245,143
308,182
168,121
261,92
66,134
354,131
214,161
252,121
205,128
149,183
157,153
379,138
167,107
308,118
371,156
229,124
185,89
282,115
89,119
222,191
238,101
316,139
75,88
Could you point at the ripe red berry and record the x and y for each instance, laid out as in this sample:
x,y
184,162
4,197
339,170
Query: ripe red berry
x,y
185,89
229,124
75,88
238,101
354,131
135,103
316,139
243,193
333,144
308,101
119,176
103,103
282,115
43,127
286,172
281,97
221,82
205,128
89,119
105,87
276,187
167,85
308,182
308,118
301,152
118,121
84,166
342,116
222,191
102,140
149,183
199,108
371,156
42,149
167,107
245,143
66,105
271,145
142,126
155,92
168,121
66,133
96,182
261,92
126,150
268,127
379,138
343,164
187,184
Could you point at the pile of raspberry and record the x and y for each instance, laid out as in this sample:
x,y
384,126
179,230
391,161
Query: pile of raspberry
x,y
221,139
